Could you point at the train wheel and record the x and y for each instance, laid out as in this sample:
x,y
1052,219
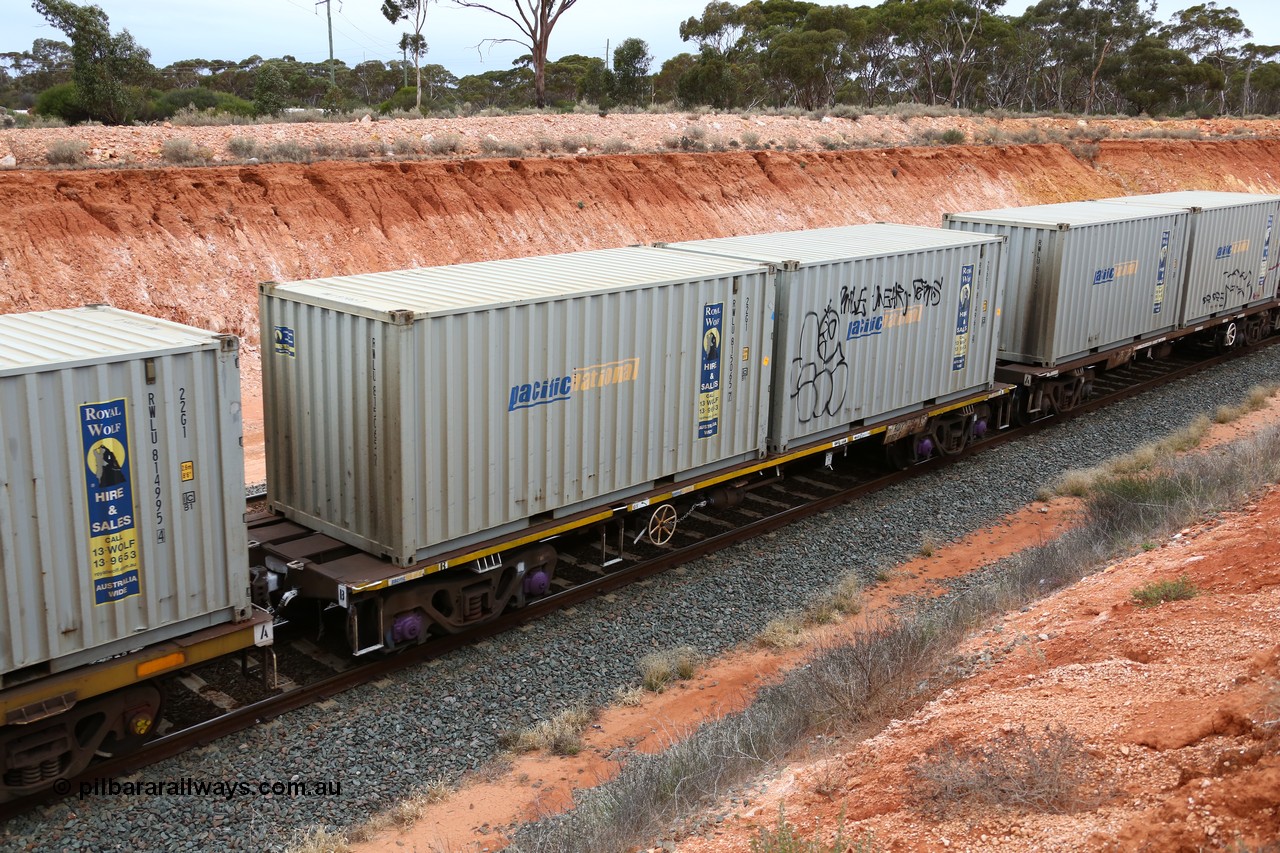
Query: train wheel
x,y
662,524
1228,337
912,450
899,454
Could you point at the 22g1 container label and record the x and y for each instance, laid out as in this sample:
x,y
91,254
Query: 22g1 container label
x,y
113,537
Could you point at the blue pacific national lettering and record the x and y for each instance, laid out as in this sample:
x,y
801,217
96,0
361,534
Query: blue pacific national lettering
x,y
540,393
557,389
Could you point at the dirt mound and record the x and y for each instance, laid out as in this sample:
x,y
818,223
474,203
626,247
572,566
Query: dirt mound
x,y
1175,706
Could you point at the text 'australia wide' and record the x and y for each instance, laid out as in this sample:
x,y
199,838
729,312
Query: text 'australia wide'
x,y
557,388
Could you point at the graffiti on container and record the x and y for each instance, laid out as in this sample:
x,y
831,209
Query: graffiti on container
x,y
853,302
1233,292
927,292
892,298
820,373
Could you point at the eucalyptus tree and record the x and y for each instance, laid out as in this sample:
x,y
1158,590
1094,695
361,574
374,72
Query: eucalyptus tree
x,y
415,12
1156,76
535,19
1213,36
631,62
107,69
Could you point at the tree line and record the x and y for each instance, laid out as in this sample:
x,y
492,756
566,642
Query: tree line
x,y
1072,56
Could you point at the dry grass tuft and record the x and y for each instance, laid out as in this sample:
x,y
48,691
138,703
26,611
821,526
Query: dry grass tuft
x,y
847,596
659,669
785,632
1047,772
930,542
1082,481
319,839
560,735
404,813
1254,401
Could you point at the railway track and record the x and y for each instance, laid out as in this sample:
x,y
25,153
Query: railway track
x,y
769,507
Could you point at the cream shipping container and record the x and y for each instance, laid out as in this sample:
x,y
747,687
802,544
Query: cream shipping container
x,y
121,486
874,321
1084,277
1231,262
411,413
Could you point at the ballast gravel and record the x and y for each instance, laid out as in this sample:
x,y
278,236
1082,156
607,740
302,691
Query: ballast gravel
x,y
337,763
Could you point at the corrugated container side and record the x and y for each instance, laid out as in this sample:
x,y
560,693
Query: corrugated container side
x,y
121,496
420,438
332,415
1231,263
863,339
1087,287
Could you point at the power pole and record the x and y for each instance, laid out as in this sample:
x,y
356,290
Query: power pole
x,y
328,12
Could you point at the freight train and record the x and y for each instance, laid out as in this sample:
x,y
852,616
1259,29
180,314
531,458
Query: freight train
x,y
435,435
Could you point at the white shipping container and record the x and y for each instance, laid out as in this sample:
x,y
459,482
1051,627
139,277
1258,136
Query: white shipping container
x,y
121,485
1231,262
411,413
874,321
1084,276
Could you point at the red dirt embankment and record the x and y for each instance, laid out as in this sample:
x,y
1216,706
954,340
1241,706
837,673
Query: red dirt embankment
x,y
191,244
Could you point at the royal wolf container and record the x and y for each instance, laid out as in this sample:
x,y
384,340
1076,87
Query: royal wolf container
x,y
121,485
1231,262
410,413
873,321
1084,276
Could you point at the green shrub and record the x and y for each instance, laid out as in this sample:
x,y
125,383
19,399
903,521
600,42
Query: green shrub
x,y
785,838
61,101
1158,592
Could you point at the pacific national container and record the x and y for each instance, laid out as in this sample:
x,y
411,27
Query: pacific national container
x,y
410,413
1231,263
873,321
121,485
1084,277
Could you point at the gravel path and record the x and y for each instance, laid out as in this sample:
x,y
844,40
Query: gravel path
x,y
445,718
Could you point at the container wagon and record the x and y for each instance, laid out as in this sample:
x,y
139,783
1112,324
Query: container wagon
x,y
1231,260
1094,285
477,410
122,540
1089,282
881,323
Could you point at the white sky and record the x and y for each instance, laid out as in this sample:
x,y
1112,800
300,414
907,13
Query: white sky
x,y
238,29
